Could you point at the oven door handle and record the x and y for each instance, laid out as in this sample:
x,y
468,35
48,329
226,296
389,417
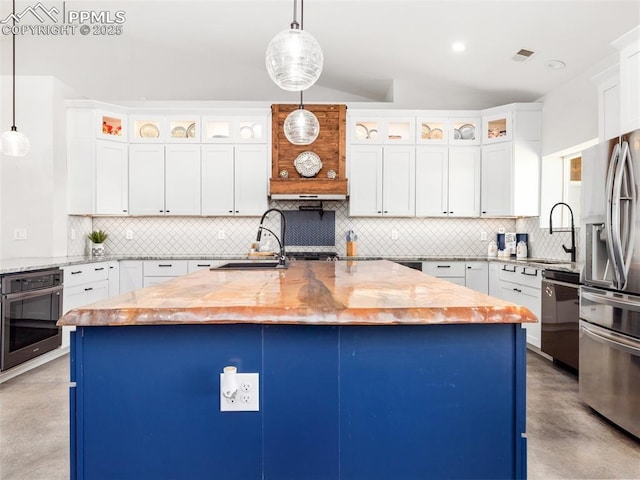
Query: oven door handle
x,y
618,342
32,293
611,302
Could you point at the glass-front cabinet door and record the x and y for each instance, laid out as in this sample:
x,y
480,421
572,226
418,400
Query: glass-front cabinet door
x,y
234,129
378,130
432,131
497,128
147,129
183,129
464,131
112,126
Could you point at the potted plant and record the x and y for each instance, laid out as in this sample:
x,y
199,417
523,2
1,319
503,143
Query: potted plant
x,y
97,238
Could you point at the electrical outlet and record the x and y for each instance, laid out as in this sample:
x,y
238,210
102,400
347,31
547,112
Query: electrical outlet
x,y
246,398
483,236
129,234
222,235
394,234
501,230
20,234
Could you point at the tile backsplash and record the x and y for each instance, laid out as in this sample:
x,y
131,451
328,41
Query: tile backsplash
x,y
234,235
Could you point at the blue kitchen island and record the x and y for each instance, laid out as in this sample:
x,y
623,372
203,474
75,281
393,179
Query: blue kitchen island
x,y
368,370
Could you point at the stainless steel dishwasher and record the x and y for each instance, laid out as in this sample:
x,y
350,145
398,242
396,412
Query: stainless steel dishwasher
x,y
560,322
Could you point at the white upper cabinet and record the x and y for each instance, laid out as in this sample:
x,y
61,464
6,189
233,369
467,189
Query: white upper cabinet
x,y
380,128
608,83
629,46
448,181
111,178
511,168
164,180
234,180
382,181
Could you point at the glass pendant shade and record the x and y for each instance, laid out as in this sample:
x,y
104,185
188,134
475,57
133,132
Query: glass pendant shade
x,y
14,143
301,127
294,60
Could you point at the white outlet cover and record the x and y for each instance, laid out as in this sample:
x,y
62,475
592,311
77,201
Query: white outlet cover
x,y
247,397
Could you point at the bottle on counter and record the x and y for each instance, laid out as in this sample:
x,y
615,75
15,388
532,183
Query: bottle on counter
x,y
492,249
521,250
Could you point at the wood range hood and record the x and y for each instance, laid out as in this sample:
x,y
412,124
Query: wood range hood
x,y
330,146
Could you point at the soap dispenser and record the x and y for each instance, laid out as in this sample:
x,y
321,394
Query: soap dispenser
x,y
521,250
492,249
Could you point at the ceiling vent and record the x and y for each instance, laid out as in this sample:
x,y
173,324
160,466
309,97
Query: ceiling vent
x,y
523,55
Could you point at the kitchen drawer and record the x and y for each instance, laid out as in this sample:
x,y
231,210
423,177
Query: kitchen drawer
x,y
195,265
164,268
528,276
444,269
85,273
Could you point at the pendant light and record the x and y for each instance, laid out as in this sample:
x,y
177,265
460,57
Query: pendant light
x,y
13,142
301,127
294,57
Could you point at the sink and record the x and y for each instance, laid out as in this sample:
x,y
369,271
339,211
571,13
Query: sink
x,y
248,266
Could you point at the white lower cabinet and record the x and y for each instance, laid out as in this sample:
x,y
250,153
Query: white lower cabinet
x,y
159,271
83,284
452,271
522,286
477,276
196,265
131,277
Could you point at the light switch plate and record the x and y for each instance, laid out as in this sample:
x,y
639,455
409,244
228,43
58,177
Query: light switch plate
x,y
247,398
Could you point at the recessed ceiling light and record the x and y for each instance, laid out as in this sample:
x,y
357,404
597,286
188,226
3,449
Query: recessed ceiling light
x,y
556,64
458,47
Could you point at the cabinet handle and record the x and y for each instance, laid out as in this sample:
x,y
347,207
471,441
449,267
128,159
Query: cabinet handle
x,y
161,211
124,211
379,211
203,265
450,212
468,267
524,272
165,265
484,212
443,266
237,211
386,211
230,211
504,268
517,290
167,211
88,288
444,212
98,269
75,273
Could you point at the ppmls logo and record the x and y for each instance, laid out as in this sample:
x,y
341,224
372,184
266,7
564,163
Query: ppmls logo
x,y
53,21
39,11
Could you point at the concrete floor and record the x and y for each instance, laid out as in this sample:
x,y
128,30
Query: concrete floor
x,y
566,439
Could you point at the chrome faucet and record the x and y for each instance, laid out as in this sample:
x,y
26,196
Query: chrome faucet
x,y
282,258
571,250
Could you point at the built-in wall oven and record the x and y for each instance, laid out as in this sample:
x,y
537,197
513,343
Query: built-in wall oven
x,y
31,306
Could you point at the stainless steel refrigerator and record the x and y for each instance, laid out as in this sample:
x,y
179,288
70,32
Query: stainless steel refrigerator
x,y
609,376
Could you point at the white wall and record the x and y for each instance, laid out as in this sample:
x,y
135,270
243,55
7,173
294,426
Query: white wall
x,y
32,188
570,112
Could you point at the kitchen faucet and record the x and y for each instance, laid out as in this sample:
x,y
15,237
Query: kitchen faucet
x,y
571,250
282,258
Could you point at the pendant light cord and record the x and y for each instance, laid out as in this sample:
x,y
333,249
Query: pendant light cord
x,y
13,66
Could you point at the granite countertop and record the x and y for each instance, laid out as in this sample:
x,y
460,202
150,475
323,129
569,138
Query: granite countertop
x,y
318,293
14,265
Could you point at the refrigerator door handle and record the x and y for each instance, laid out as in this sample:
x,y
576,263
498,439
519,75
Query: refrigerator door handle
x,y
627,195
609,221
620,303
616,341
